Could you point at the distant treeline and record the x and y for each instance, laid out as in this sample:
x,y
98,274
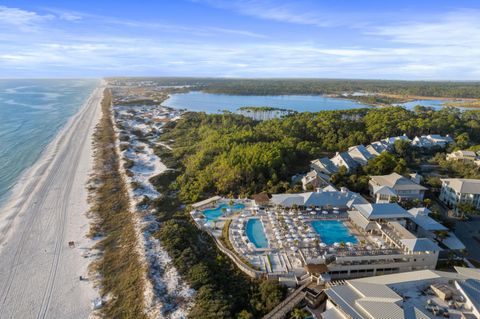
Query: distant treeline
x,y
322,86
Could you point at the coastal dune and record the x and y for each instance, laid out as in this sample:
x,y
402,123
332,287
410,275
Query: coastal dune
x,y
39,272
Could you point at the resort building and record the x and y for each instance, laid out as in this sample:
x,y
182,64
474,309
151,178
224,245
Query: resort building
x,y
313,180
323,165
377,148
464,156
422,294
360,154
422,225
344,159
327,198
385,188
457,191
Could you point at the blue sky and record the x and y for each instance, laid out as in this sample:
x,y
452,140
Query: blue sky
x,y
428,40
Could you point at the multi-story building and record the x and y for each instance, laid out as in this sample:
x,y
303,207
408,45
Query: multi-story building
x,y
422,294
457,191
386,187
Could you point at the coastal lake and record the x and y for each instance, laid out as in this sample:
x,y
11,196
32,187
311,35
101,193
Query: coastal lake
x,y
215,103
31,113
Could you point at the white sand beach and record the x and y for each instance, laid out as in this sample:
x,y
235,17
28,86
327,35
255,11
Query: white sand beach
x,y
39,272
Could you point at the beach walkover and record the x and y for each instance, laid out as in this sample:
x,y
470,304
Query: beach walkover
x,y
40,273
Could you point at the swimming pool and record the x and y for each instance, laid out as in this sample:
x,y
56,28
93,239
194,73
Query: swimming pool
x,y
333,231
216,213
256,234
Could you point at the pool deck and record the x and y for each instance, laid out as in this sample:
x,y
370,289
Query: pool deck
x,y
289,234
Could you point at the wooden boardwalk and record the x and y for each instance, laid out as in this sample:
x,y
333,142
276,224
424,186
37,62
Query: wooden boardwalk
x,y
281,310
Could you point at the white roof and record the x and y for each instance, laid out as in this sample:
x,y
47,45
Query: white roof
x,y
420,244
206,201
384,190
382,297
421,218
397,182
327,196
382,211
463,185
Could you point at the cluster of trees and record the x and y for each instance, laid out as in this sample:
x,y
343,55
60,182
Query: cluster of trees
x,y
318,86
228,153
222,290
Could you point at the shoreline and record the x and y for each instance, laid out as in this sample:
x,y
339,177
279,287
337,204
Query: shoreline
x,y
45,209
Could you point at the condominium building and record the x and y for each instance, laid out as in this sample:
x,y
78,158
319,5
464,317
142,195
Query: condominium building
x,y
456,191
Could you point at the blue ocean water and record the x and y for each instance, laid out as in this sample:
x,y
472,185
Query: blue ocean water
x,y
31,114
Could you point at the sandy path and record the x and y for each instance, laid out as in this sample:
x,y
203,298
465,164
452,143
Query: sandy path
x,y
39,273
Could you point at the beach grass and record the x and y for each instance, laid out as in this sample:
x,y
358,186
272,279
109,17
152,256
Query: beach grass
x,y
122,273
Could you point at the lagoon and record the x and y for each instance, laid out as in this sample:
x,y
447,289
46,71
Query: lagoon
x,y
215,103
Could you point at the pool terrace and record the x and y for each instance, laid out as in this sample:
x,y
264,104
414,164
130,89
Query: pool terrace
x,y
281,241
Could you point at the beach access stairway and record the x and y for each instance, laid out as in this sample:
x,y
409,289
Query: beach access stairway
x,y
283,308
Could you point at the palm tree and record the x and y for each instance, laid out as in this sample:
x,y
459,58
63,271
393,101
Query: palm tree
x,y
441,235
298,313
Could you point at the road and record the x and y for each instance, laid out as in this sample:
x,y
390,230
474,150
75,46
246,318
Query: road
x,y
39,275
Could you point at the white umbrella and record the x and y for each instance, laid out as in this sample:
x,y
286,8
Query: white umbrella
x,y
335,244
325,212
290,240
323,245
313,212
335,211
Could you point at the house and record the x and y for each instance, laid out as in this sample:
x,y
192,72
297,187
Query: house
x,y
391,140
323,165
377,148
403,296
439,140
394,186
464,156
360,154
422,142
344,159
456,191
432,140
314,180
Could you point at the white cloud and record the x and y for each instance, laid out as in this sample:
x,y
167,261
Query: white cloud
x,y
21,18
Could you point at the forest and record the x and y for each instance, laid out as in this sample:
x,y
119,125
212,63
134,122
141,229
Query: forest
x,y
232,154
279,86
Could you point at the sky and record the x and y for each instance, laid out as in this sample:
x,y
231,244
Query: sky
x,y
409,39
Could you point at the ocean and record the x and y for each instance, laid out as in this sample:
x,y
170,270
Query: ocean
x,y
31,114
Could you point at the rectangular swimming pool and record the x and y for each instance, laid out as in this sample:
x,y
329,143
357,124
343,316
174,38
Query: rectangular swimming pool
x,y
256,233
215,213
333,231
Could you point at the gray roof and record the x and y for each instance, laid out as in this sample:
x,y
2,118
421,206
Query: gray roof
x,y
463,185
471,288
378,297
325,164
382,210
325,197
360,153
351,163
425,221
377,148
397,182
420,244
